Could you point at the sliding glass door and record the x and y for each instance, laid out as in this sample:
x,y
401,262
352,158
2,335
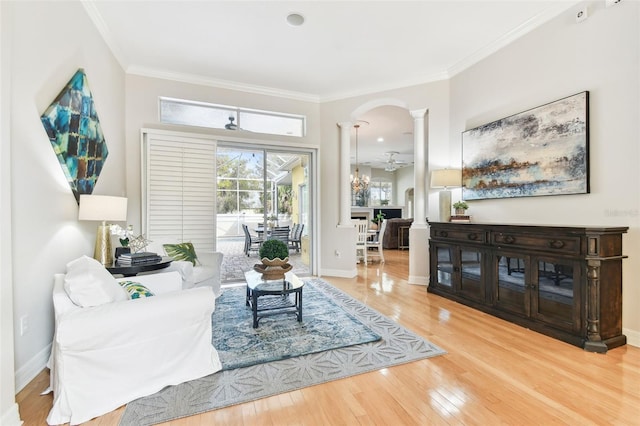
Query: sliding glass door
x,y
258,189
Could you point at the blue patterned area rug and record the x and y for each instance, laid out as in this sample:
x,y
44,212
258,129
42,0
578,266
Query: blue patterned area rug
x,y
262,378
324,326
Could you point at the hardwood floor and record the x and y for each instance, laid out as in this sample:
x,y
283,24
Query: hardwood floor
x,y
494,372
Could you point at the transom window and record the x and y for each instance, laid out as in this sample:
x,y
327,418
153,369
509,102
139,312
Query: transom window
x,y
214,116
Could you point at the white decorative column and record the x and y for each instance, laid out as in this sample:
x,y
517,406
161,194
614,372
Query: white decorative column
x,y
345,171
419,232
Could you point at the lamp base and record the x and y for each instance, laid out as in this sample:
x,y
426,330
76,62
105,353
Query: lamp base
x,y
102,251
445,205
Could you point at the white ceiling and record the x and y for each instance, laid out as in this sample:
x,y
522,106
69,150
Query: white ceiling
x,y
344,48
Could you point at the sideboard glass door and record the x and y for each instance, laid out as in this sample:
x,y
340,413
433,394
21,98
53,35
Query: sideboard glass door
x,y
444,267
555,298
511,282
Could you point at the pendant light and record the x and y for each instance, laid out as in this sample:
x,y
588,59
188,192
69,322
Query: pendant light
x,y
358,183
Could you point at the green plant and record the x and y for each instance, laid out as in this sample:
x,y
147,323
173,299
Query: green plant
x,y
272,249
460,205
378,219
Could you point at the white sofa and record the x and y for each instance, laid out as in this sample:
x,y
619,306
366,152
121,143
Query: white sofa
x,y
107,355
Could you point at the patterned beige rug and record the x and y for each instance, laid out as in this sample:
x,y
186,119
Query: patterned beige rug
x,y
228,387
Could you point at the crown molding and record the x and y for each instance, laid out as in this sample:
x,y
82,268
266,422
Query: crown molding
x,y
95,16
221,84
400,84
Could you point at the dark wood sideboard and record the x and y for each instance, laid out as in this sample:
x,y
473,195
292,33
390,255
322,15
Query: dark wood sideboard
x,y
565,282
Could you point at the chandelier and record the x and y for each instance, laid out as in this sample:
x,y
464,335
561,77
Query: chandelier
x,y
358,183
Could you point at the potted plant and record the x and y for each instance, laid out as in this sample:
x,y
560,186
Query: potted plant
x,y
377,220
460,207
274,255
272,221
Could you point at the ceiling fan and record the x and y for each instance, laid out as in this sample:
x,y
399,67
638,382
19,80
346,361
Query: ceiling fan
x,y
392,163
231,125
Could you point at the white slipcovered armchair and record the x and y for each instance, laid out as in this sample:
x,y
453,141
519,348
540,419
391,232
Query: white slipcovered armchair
x,y
109,350
205,273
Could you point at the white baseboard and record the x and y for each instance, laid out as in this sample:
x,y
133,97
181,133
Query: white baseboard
x,y
341,273
633,337
418,280
11,417
32,368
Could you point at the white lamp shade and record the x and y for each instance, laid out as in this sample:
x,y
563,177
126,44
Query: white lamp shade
x,y
102,208
446,178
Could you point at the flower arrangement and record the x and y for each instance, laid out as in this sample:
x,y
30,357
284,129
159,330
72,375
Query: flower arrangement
x,y
128,239
123,234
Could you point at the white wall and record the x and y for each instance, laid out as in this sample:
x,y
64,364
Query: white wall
x,y
49,42
404,181
9,414
557,60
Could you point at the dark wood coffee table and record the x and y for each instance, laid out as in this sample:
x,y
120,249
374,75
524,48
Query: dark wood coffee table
x,y
279,290
133,270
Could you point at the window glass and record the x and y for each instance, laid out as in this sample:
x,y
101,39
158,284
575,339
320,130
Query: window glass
x,y
202,114
380,192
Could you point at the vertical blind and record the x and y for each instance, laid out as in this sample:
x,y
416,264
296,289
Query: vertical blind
x,y
179,190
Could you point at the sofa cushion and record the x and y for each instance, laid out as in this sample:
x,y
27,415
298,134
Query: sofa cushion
x,y
136,290
181,251
88,283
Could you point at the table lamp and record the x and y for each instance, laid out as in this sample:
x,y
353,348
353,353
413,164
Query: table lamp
x,y
445,178
103,208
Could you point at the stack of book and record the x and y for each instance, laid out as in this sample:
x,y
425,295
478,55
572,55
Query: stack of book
x,y
129,259
460,218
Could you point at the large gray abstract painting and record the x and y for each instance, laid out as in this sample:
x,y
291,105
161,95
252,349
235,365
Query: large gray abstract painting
x,y
542,151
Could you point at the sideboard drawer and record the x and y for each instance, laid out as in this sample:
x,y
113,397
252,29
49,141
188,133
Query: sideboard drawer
x,y
559,244
460,235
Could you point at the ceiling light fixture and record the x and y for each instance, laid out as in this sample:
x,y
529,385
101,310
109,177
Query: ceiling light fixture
x,y
358,183
295,19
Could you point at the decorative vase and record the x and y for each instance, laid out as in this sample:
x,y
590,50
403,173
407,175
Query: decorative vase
x,y
374,226
273,269
122,250
460,212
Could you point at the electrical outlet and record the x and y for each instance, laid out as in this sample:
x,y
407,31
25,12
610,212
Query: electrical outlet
x,y
24,325
610,3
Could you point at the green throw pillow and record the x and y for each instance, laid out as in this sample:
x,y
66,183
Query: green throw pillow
x,y
136,290
182,251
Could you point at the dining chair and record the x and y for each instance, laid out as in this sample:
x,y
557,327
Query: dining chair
x,y
361,240
376,243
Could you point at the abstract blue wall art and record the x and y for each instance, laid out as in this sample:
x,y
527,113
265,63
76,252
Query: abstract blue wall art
x,y
73,128
542,151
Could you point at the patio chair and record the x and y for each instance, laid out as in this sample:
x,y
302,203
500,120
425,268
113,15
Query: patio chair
x,y
296,236
251,242
280,233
